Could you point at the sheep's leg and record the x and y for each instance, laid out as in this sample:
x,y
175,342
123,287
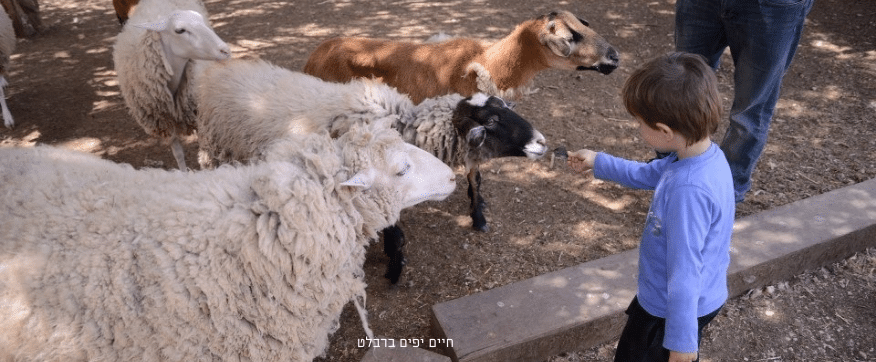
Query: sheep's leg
x,y
478,221
178,153
7,116
393,247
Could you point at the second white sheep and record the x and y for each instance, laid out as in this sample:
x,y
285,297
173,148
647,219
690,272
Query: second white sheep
x,y
153,57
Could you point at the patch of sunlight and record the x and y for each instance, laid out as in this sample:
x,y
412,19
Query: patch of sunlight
x,y
594,230
828,46
567,248
615,205
103,105
84,144
106,93
611,15
247,44
63,54
410,31
100,50
26,141
524,240
316,30
793,108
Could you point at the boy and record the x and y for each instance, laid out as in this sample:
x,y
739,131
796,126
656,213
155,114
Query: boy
x,y
684,251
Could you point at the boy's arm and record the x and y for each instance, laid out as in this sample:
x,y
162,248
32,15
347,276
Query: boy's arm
x,y
631,174
686,225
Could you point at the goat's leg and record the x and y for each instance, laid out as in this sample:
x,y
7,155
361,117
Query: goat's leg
x,y
178,153
393,247
478,221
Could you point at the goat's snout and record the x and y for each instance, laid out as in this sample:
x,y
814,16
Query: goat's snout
x,y
607,64
610,62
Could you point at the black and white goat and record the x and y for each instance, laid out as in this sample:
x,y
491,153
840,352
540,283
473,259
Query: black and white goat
x,y
245,105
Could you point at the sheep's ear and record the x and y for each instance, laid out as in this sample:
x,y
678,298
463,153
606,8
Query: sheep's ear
x,y
159,25
557,44
363,179
476,137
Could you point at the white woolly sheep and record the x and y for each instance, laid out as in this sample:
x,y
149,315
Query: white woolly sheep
x,y
102,262
153,55
558,40
245,105
7,47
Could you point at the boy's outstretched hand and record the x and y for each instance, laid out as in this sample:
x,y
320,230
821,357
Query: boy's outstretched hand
x,y
582,160
682,357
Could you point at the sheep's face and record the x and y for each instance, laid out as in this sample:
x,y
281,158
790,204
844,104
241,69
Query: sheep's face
x,y
491,129
408,173
186,34
570,44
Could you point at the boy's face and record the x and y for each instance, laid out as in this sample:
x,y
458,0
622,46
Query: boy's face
x,y
658,139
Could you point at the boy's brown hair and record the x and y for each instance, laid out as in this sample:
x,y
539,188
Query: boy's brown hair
x,y
679,90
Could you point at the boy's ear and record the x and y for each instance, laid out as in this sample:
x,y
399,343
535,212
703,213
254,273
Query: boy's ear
x,y
664,129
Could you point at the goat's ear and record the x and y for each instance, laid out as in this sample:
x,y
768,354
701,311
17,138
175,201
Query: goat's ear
x,y
363,179
476,137
584,22
559,45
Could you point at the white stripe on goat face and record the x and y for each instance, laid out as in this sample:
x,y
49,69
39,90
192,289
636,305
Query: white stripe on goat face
x,y
537,147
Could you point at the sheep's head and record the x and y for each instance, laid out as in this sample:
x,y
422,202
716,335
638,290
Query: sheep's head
x,y
491,129
369,166
574,45
383,162
187,35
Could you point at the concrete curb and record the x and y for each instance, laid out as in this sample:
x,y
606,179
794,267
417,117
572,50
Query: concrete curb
x,y
582,306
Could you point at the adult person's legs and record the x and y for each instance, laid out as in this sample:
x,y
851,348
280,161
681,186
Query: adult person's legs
x,y
763,37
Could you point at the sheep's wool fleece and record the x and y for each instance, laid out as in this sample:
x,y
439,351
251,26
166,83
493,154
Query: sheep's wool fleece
x,y
101,262
246,104
429,126
143,76
7,41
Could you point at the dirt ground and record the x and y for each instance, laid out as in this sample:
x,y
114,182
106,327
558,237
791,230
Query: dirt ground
x,y
63,92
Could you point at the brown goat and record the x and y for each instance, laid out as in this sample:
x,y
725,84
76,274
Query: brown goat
x,y
124,9
558,40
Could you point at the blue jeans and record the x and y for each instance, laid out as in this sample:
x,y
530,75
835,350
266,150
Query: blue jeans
x,y
763,37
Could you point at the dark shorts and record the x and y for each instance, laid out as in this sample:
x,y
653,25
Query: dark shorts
x,y
642,338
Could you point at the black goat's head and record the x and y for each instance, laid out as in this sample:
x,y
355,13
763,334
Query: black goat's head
x,y
491,129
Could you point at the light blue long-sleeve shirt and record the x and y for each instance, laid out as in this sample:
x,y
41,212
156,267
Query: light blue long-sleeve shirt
x,y
685,247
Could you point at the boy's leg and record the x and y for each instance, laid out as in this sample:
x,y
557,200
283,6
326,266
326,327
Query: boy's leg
x,y
642,337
